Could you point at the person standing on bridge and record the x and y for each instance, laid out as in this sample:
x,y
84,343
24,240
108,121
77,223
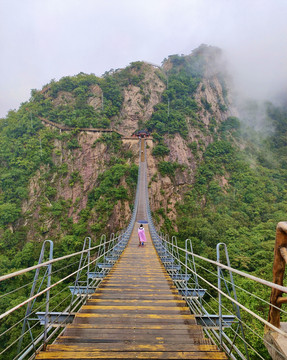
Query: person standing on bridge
x,y
141,234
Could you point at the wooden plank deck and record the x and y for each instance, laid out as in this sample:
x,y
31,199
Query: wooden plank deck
x,y
136,313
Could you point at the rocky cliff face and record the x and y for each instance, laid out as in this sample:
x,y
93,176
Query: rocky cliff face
x,y
139,101
69,184
212,110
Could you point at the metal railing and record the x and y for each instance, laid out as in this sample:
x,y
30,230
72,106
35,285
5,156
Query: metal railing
x,y
62,285
219,305
47,302
54,299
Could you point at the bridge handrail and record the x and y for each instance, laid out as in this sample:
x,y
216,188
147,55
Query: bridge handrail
x,y
49,262
220,291
58,282
174,253
23,271
238,272
102,250
128,229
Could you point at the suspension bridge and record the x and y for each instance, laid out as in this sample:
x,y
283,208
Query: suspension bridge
x,y
119,300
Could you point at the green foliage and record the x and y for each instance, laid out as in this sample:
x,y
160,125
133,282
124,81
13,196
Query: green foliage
x,y
160,150
234,203
109,184
75,111
222,107
9,213
206,104
73,144
78,83
163,123
170,116
167,168
231,123
113,97
109,190
112,141
131,75
193,147
74,178
278,140
25,147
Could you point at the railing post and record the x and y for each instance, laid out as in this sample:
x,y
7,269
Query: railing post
x,y
186,263
173,244
32,292
219,293
49,274
89,260
236,307
280,261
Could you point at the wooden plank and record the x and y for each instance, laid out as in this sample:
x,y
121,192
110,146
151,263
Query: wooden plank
x,y
135,307
120,290
90,336
102,318
161,341
69,355
154,302
136,313
138,316
128,325
132,347
90,332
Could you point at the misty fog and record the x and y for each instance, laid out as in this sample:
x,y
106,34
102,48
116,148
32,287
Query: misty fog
x,y
50,39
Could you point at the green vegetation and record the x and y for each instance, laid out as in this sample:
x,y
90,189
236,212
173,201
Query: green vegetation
x,y
109,189
237,189
67,101
167,168
112,141
234,202
178,105
25,147
160,150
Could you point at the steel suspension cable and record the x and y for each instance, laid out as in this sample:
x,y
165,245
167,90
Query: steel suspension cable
x,y
244,323
248,276
230,298
40,278
23,271
242,306
50,287
240,288
32,312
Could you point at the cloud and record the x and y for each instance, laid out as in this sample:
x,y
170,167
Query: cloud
x,y
42,40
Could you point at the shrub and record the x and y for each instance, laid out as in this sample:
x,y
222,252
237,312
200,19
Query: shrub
x,y
167,168
160,150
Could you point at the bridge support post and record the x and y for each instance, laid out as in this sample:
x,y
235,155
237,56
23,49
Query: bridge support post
x,y
220,275
49,274
82,262
274,342
30,304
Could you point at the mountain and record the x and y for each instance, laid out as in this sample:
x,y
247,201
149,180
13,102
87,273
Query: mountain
x,y
216,172
69,161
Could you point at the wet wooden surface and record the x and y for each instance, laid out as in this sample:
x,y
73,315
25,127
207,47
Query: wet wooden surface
x,y
136,313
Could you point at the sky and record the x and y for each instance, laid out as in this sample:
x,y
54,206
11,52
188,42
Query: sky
x,y
41,40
